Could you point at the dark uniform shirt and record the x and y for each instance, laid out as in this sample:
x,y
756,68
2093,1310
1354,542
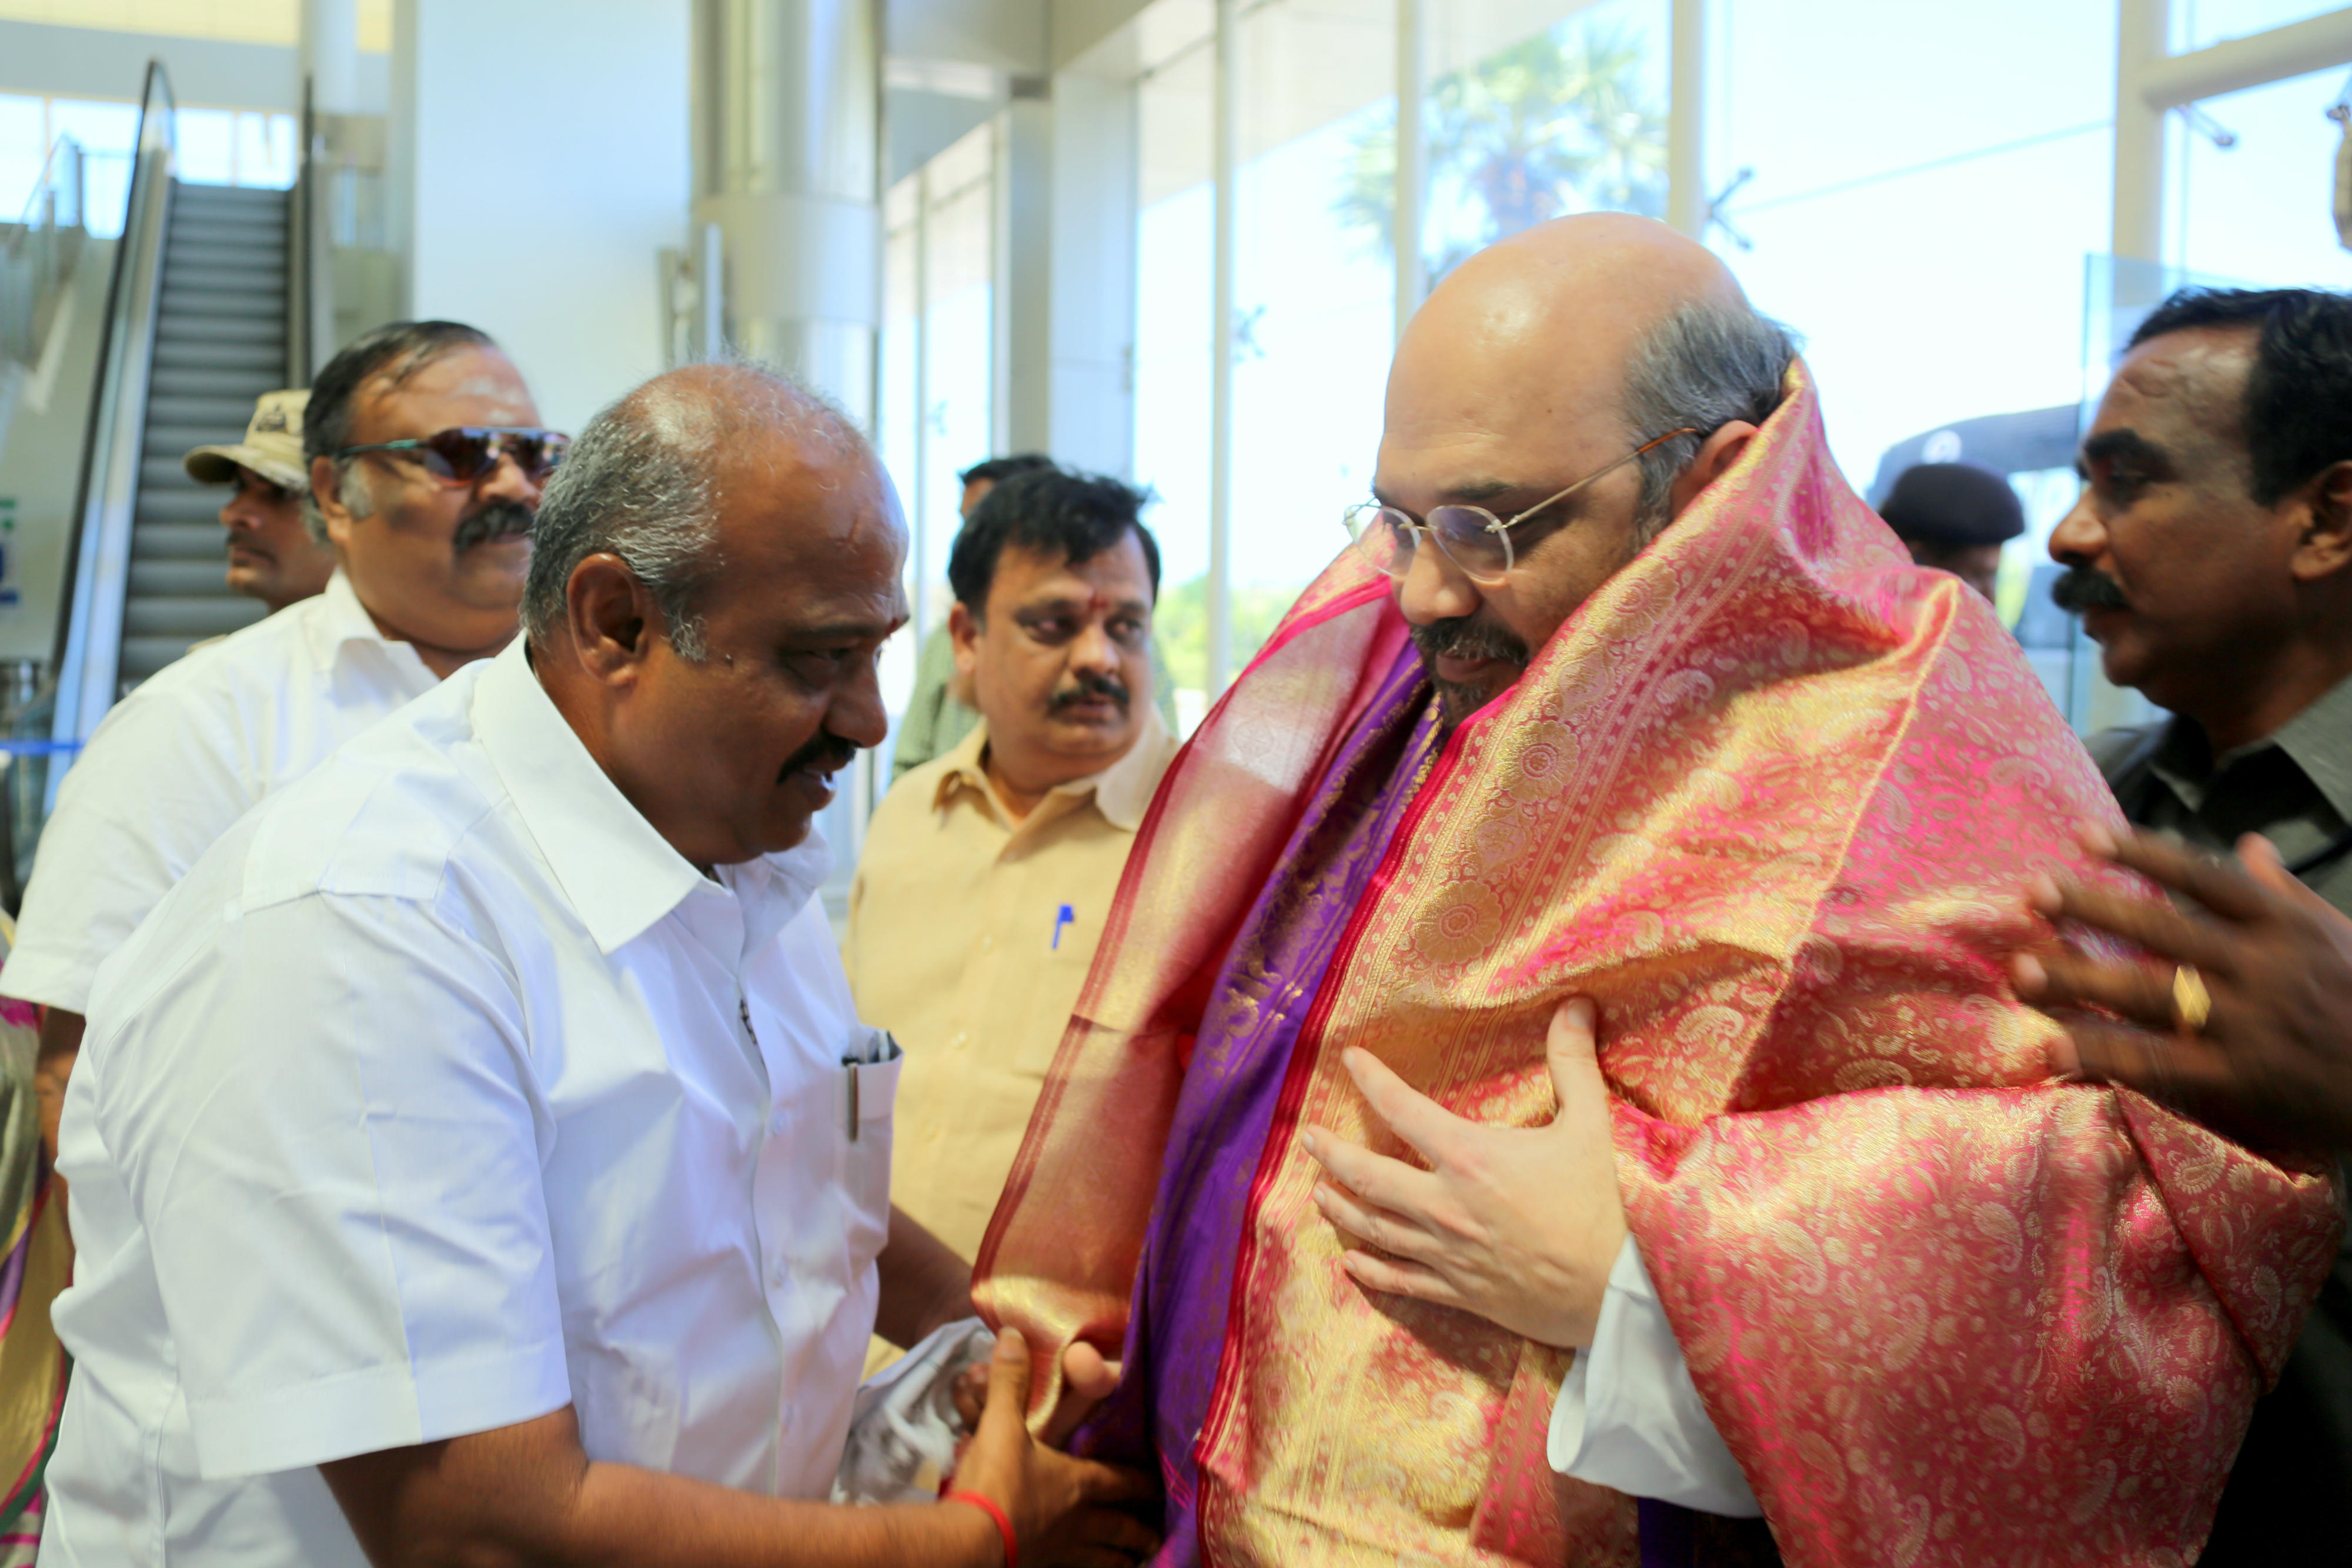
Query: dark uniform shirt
x,y
2289,1500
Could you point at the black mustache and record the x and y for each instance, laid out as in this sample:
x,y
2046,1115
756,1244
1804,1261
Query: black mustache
x,y
2084,588
1468,637
825,753
1089,686
496,520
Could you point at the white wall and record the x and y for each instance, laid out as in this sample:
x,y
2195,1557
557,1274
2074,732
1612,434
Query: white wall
x,y
541,152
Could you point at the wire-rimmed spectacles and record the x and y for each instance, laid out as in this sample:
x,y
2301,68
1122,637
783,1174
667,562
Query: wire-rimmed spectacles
x,y
1472,538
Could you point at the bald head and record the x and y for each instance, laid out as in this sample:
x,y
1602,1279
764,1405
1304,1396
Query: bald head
x,y
1545,362
647,479
1526,345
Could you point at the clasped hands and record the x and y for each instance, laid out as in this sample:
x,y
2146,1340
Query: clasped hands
x,y
1519,1225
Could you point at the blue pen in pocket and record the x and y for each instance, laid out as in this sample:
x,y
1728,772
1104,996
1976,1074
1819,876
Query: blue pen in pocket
x,y
1062,917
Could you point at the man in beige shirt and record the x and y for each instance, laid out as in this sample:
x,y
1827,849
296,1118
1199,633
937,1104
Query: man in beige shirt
x,y
987,873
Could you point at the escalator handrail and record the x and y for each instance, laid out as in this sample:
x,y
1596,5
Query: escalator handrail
x,y
98,556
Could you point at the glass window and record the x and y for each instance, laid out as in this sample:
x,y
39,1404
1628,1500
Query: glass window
x,y
24,144
1314,292
264,148
1175,229
107,133
2261,210
960,331
207,146
1531,122
898,416
2200,24
1924,232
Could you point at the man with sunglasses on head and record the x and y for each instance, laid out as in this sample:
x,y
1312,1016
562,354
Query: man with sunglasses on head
x,y
425,458
1551,1091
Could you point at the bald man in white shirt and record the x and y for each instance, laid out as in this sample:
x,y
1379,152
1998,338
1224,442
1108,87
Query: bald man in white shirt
x,y
477,1157
431,538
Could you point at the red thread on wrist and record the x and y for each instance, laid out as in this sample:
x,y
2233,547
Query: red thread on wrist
x,y
996,1516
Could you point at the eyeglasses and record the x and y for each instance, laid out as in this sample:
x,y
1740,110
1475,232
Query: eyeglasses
x,y
1472,538
464,452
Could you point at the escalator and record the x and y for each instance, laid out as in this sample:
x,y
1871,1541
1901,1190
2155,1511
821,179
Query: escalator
x,y
220,342
207,309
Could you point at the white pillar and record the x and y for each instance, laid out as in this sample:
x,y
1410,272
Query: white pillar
x,y
1686,120
787,160
1226,156
1411,158
330,54
2142,31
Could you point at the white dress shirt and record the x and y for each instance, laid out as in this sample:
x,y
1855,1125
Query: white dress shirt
x,y
1629,1415
442,1093
182,758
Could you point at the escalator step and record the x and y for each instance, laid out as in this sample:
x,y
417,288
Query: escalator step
x,y
143,656
175,541
197,506
184,577
207,354
213,381
222,304
188,251
223,329
197,408
188,616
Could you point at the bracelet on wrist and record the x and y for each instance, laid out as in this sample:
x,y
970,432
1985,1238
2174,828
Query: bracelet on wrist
x,y
996,1517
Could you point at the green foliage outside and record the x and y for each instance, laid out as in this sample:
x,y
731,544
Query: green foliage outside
x,y
1563,123
1182,624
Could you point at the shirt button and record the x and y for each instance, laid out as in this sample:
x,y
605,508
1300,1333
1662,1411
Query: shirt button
x,y
776,1274
958,1042
776,1124
986,943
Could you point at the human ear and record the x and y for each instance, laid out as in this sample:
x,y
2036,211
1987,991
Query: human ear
x,y
963,635
1716,453
2324,543
611,618
327,492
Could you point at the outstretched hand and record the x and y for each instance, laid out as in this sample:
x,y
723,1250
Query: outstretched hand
x,y
1519,1225
2273,1061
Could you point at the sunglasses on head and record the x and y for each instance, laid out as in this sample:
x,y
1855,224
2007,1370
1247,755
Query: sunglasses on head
x,y
464,452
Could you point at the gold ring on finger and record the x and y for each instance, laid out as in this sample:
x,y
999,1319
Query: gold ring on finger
x,y
2192,1004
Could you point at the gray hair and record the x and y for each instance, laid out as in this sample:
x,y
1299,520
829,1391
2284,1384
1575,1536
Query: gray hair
x,y
1705,366
352,488
640,484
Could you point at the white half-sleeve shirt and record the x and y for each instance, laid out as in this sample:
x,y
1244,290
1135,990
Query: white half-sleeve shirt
x,y
174,764
439,1094
1628,1416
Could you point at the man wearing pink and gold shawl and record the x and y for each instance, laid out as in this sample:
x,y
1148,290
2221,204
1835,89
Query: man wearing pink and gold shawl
x,y
1697,742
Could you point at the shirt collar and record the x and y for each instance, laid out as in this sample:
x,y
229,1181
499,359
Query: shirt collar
x,y
619,874
2319,738
340,619
1122,792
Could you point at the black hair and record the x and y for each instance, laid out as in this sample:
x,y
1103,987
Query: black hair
x,y
2298,407
1054,512
392,353
996,470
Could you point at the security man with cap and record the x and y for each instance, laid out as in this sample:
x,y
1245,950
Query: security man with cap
x,y
1955,516
271,555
